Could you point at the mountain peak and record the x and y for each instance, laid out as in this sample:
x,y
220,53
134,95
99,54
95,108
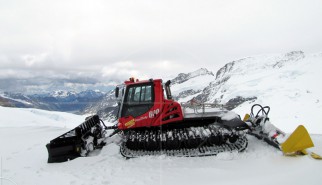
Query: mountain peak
x,y
292,56
182,77
62,93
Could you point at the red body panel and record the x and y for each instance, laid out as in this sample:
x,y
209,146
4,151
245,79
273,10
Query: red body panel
x,y
162,112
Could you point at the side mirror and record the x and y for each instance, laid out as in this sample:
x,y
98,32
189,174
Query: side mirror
x,y
117,89
168,90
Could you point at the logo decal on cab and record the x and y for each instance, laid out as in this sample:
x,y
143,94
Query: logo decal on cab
x,y
130,123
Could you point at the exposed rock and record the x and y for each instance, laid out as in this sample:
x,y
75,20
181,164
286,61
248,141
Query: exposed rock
x,y
235,102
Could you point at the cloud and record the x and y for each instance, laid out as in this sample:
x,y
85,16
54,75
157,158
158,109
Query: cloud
x,y
32,60
167,65
15,73
124,64
113,40
120,71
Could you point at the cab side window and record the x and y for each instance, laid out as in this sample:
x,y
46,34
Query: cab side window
x,y
138,101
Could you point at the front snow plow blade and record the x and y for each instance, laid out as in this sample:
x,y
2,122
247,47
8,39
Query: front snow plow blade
x,y
298,143
73,143
299,140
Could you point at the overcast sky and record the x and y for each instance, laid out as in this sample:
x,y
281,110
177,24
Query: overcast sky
x,y
98,41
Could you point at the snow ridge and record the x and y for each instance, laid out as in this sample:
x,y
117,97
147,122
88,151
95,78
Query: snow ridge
x,y
182,77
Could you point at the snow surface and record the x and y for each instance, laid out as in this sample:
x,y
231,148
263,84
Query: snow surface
x,y
22,117
25,132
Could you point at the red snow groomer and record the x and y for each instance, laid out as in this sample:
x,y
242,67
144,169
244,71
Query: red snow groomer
x,y
150,122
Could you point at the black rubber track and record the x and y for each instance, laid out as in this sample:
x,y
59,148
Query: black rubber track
x,y
202,140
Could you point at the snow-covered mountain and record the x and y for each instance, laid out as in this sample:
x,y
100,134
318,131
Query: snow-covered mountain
x,y
188,85
286,82
250,77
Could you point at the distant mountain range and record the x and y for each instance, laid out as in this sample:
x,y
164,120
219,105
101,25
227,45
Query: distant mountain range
x,y
61,100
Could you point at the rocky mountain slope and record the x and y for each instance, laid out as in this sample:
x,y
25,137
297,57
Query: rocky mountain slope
x,y
105,107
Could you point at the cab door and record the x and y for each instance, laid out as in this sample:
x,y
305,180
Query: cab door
x,y
138,100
